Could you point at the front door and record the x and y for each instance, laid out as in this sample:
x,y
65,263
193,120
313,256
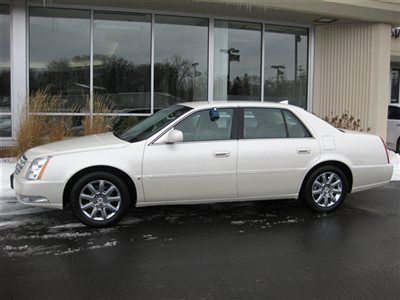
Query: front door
x,y
273,153
202,167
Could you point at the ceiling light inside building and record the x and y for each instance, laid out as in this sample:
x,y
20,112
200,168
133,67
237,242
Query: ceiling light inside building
x,y
325,20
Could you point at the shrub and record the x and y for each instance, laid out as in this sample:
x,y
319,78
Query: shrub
x,y
36,129
100,122
346,121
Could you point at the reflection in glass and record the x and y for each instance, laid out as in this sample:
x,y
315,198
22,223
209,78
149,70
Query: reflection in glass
x,y
180,59
5,100
59,51
237,60
395,74
285,67
121,62
5,126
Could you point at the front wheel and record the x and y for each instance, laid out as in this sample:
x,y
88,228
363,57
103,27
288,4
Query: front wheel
x,y
99,199
325,189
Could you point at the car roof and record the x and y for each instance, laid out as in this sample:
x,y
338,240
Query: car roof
x,y
221,104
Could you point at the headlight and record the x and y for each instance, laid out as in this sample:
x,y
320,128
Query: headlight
x,y
37,168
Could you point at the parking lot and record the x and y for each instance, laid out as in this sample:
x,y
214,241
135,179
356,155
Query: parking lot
x,y
253,250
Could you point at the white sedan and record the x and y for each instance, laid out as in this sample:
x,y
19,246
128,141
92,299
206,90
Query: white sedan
x,y
202,152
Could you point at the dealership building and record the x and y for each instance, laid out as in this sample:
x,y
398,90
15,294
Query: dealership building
x,y
327,56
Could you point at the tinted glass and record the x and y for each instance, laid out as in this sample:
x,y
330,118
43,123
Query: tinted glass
x,y
286,61
59,50
5,100
263,123
394,113
5,126
121,62
200,127
237,60
295,127
395,74
180,59
152,124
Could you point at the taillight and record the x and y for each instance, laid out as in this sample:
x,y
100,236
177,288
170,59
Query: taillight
x,y
386,150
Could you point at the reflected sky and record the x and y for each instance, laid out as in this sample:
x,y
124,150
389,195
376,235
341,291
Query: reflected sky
x,y
182,36
125,36
57,33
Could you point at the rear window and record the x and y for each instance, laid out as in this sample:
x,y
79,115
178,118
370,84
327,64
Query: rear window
x,y
394,113
295,128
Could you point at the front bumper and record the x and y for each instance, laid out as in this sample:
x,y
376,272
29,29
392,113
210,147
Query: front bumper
x,y
38,192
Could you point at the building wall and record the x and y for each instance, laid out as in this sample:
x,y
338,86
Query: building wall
x,y
351,73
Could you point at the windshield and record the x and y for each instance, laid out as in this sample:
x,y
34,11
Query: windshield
x,y
152,124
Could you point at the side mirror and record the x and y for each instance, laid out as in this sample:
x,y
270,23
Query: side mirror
x,y
174,136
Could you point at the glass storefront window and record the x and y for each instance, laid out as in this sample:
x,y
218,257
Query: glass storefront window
x,y
59,55
237,60
121,61
180,60
395,86
60,61
286,65
5,88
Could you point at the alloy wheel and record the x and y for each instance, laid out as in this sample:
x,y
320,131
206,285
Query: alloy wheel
x,y
327,189
99,200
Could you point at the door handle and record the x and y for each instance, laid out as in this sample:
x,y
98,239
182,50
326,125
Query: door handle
x,y
303,151
220,154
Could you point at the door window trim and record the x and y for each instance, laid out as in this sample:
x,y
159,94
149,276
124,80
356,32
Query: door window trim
x,y
241,124
234,126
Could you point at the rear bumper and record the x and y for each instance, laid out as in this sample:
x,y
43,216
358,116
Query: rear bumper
x,y
368,177
39,193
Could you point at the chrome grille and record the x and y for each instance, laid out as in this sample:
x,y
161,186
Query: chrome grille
x,y
20,164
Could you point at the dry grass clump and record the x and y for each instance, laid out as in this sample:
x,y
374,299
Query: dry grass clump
x,y
100,122
346,121
36,129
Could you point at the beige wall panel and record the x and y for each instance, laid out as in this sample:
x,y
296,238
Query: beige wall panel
x,y
352,73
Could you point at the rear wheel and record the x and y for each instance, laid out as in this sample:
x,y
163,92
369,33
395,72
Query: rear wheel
x,y
398,146
99,199
325,189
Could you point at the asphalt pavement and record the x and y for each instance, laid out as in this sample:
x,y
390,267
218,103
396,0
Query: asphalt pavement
x,y
247,250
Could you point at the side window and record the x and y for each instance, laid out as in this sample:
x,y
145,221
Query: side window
x,y
394,113
296,129
200,127
261,123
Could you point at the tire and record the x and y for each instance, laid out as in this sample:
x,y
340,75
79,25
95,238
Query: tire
x,y
99,199
398,146
325,189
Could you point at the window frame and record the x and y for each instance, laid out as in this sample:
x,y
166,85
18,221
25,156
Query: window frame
x,y
234,126
23,79
10,112
241,124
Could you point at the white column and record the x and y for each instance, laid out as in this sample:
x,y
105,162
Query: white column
x,y
18,60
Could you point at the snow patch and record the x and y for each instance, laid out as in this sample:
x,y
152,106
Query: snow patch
x,y
395,160
238,222
149,237
68,226
105,245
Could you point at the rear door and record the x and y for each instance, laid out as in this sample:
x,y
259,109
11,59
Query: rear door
x,y
274,151
202,167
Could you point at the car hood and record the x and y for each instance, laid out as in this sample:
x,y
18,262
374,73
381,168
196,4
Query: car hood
x,y
79,144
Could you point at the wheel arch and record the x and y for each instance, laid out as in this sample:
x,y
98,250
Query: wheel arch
x,y
100,168
342,166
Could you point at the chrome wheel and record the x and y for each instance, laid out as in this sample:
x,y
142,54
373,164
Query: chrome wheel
x,y
100,200
327,189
